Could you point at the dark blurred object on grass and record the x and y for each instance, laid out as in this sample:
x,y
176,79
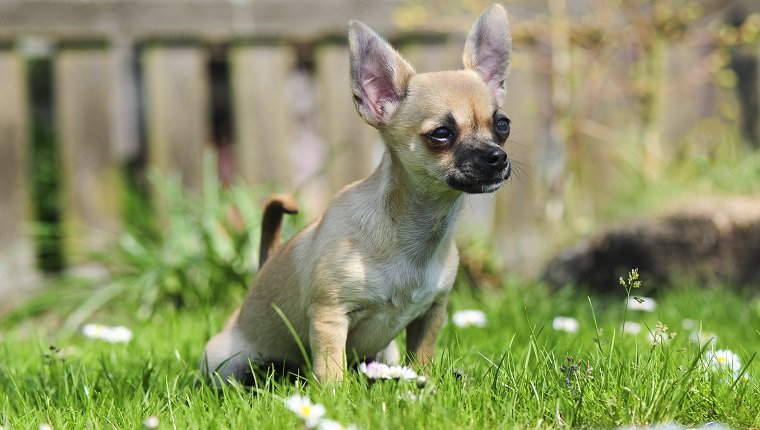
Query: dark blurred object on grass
x,y
744,62
712,241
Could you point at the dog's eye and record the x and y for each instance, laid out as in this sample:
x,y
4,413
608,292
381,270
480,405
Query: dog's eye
x,y
503,126
441,134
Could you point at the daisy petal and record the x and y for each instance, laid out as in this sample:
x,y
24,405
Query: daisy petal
x,y
469,318
566,324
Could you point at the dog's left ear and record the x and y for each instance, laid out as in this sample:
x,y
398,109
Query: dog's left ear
x,y
379,75
489,48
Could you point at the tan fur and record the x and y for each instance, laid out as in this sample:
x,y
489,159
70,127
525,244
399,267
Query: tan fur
x,y
271,223
382,258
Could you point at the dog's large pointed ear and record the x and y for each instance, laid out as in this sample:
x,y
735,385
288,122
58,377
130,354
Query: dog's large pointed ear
x,y
379,75
489,48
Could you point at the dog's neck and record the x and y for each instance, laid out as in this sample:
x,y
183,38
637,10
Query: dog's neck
x,y
422,214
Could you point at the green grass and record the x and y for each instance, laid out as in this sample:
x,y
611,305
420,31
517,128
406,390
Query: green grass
x,y
176,287
729,169
516,370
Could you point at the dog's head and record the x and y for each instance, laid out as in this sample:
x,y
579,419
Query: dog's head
x,y
447,128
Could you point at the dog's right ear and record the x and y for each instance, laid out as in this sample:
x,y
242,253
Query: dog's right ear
x,y
379,75
488,50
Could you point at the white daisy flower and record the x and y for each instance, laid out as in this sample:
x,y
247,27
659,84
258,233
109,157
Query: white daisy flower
x,y
632,328
151,422
309,412
402,372
469,318
375,370
644,304
660,335
656,338
94,331
119,334
46,426
702,337
566,324
724,359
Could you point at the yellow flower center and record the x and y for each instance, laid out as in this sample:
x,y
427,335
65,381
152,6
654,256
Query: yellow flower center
x,y
306,410
722,360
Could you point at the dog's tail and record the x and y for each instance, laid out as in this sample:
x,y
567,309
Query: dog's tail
x,y
271,223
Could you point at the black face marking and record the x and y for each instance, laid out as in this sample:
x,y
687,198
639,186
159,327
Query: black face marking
x,y
478,166
448,120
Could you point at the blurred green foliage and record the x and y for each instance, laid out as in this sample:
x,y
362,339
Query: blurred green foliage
x,y
197,248
723,168
186,250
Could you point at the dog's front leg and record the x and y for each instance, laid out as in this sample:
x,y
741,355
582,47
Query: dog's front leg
x,y
328,330
423,331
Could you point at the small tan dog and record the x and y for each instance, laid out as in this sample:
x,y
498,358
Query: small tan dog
x,y
382,257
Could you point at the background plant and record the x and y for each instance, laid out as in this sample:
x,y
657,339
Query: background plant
x,y
183,251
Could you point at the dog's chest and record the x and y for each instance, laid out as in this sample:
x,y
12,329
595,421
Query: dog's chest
x,y
395,294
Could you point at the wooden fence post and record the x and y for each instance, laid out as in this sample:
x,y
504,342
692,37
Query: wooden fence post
x,y
428,54
517,215
124,99
263,122
177,110
354,146
16,251
92,183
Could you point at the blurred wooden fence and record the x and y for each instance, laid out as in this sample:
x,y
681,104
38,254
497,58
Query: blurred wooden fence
x,y
164,80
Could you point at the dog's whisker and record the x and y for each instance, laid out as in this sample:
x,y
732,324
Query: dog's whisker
x,y
514,142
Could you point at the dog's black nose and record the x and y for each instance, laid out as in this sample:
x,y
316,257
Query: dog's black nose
x,y
496,157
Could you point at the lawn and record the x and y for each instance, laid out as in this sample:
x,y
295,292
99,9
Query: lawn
x,y
515,371
175,285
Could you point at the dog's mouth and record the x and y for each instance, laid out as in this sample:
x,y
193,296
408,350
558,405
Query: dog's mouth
x,y
472,185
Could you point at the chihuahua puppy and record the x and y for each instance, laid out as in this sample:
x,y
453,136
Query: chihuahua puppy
x,y
382,257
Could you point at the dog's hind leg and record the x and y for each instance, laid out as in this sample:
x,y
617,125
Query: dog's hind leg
x,y
226,357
